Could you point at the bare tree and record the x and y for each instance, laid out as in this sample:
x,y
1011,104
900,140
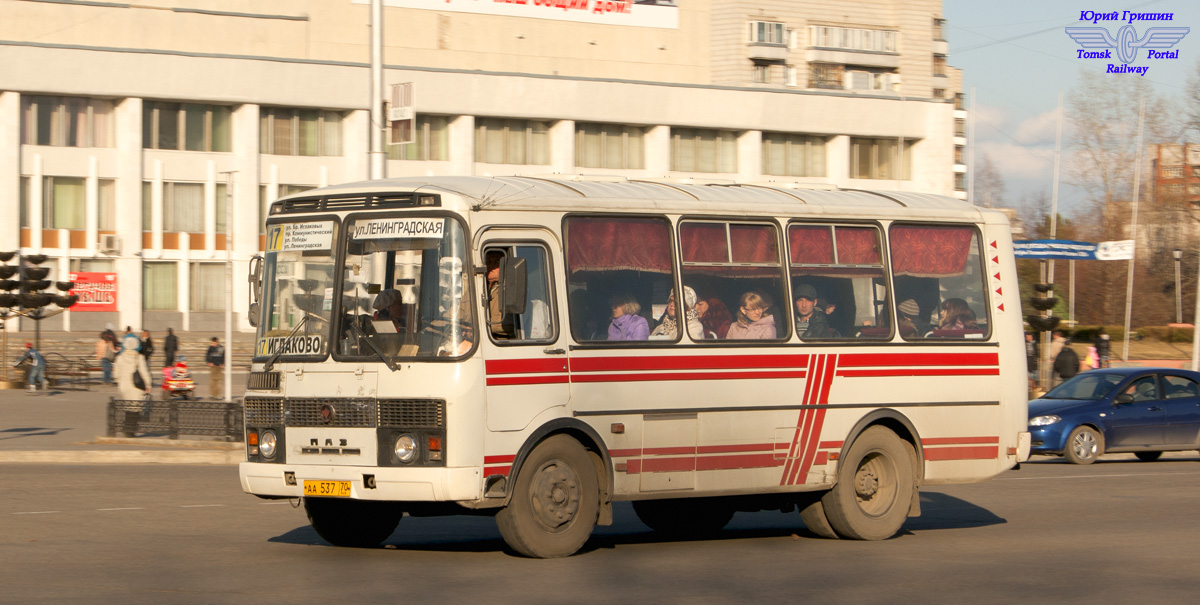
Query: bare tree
x,y
989,185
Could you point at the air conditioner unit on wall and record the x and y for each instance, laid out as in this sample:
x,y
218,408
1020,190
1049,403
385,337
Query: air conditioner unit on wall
x,y
109,243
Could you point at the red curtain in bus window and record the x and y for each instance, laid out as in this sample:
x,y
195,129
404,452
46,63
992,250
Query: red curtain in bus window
x,y
703,243
857,245
753,243
923,251
607,244
810,245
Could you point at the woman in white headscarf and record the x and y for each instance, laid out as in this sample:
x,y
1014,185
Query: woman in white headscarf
x,y
669,328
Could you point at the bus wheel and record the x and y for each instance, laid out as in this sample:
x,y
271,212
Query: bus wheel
x,y
356,523
555,501
815,520
683,517
874,487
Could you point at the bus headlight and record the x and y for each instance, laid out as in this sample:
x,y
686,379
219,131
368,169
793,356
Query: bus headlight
x,y
406,448
267,443
1043,420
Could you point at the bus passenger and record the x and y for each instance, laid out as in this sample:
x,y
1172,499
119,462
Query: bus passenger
x,y
811,321
500,325
716,319
626,323
669,328
389,306
955,315
753,321
910,323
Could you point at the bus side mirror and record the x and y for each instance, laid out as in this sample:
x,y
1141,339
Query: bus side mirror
x,y
513,292
255,278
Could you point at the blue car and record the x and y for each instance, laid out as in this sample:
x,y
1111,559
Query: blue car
x,y
1145,411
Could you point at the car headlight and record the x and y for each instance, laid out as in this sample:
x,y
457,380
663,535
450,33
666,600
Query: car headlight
x,y
406,448
267,443
1043,420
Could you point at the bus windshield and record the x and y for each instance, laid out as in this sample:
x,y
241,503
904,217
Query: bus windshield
x,y
298,272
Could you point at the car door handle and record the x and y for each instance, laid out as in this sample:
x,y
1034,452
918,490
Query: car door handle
x,y
555,351
1154,408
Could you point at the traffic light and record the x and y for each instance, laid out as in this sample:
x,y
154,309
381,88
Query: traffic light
x,y
33,281
7,284
1044,301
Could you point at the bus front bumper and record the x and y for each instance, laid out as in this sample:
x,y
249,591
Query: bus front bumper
x,y
392,484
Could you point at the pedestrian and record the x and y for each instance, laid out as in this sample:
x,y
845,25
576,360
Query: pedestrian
x,y
215,356
1066,363
133,377
1102,346
106,354
37,372
147,346
170,347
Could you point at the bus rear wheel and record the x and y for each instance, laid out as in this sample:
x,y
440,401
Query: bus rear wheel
x,y
874,489
683,518
555,502
353,523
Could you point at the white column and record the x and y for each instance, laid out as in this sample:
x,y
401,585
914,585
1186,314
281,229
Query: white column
x,y
62,271
92,207
658,151
128,265
749,146
837,160
461,136
247,214
183,278
210,207
34,209
156,209
10,169
356,150
562,147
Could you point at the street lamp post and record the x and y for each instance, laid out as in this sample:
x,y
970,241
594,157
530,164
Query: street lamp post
x,y
1178,254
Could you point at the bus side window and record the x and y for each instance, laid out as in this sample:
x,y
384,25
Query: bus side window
x,y
940,268
837,271
536,323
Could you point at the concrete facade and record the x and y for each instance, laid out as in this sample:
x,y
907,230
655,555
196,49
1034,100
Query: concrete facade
x,y
708,72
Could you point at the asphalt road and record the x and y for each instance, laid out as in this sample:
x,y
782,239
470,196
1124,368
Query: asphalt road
x,y
1117,531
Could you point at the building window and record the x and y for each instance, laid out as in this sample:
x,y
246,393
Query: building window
x,y
702,150
429,141
106,210
880,159
870,80
1195,170
614,146
186,126
825,75
793,154
306,132
875,40
960,127
1193,188
23,204
958,101
159,283
939,65
762,73
939,93
767,32
1174,189
183,207
501,141
67,121
937,28
1172,172
960,182
790,76
207,292
64,203
958,154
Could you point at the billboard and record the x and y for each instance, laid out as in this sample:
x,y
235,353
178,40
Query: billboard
x,y
634,13
96,291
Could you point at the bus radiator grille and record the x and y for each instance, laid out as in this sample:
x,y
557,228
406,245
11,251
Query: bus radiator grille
x,y
425,413
263,410
342,412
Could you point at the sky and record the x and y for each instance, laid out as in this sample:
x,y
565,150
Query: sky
x,y
1017,58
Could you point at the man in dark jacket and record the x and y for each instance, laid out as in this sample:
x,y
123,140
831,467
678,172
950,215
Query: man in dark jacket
x,y
810,320
1066,364
170,347
215,357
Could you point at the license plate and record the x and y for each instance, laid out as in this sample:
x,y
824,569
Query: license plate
x,y
327,489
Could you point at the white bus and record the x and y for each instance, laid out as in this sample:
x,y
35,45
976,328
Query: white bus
x,y
513,347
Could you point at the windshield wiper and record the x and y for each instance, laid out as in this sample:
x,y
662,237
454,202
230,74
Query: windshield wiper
x,y
362,337
271,362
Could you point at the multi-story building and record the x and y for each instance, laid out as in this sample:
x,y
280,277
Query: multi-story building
x,y
129,132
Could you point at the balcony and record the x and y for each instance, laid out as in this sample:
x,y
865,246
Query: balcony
x,y
886,60
763,51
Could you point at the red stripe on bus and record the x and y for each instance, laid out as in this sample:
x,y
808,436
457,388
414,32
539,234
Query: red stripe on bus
x,y
831,445
496,470
958,440
669,451
860,360
498,459
667,465
581,378
901,372
822,459
718,463
525,380
982,452
525,366
689,362
624,453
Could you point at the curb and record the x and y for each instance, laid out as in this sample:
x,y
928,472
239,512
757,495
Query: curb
x,y
120,457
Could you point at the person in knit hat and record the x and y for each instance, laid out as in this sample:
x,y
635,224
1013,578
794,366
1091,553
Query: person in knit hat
x,y
910,323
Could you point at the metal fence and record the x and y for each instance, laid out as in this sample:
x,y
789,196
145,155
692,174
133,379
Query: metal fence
x,y
148,418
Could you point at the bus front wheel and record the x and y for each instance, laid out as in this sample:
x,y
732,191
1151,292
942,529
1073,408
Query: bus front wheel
x,y
354,523
874,488
555,502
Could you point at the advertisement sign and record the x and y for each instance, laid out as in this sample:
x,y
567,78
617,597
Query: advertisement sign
x,y
634,13
1071,250
96,291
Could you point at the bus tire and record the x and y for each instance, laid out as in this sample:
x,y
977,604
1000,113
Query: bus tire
x,y
679,518
555,501
874,488
352,523
815,520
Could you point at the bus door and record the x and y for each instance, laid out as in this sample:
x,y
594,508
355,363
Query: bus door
x,y
525,352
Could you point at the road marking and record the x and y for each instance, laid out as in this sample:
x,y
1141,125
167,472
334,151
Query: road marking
x,y
199,505
38,512
1097,476
128,508
275,503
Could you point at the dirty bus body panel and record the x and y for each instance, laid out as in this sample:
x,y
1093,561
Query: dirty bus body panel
x,y
536,349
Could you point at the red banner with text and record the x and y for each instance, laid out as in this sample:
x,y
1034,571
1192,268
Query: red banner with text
x,y
96,291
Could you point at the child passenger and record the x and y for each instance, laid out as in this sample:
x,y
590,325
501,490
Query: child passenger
x,y
753,321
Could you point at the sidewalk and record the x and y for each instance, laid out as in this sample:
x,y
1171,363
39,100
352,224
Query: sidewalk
x,y
69,427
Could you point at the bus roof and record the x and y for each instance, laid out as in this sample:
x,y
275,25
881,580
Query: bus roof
x,y
573,193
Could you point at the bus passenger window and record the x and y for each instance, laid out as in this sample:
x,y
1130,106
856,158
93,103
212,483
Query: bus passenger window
x,y
536,323
839,288
736,272
939,268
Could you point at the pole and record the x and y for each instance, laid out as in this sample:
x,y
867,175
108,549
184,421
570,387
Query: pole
x,y
971,151
1178,254
1071,294
1137,182
378,157
1196,324
228,395
1046,374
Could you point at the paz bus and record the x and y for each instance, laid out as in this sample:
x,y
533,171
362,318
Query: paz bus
x,y
536,349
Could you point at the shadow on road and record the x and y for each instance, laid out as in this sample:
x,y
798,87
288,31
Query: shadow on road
x,y
32,431
939,511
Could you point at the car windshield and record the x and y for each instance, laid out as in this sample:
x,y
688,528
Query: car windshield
x,y
1091,386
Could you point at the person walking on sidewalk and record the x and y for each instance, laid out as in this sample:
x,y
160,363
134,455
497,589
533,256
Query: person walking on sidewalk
x,y
106,354
216,369
147,348
130,362
37,372
170,347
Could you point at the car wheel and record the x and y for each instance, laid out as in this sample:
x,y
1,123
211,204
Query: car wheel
x,y
1148,456
1084,445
